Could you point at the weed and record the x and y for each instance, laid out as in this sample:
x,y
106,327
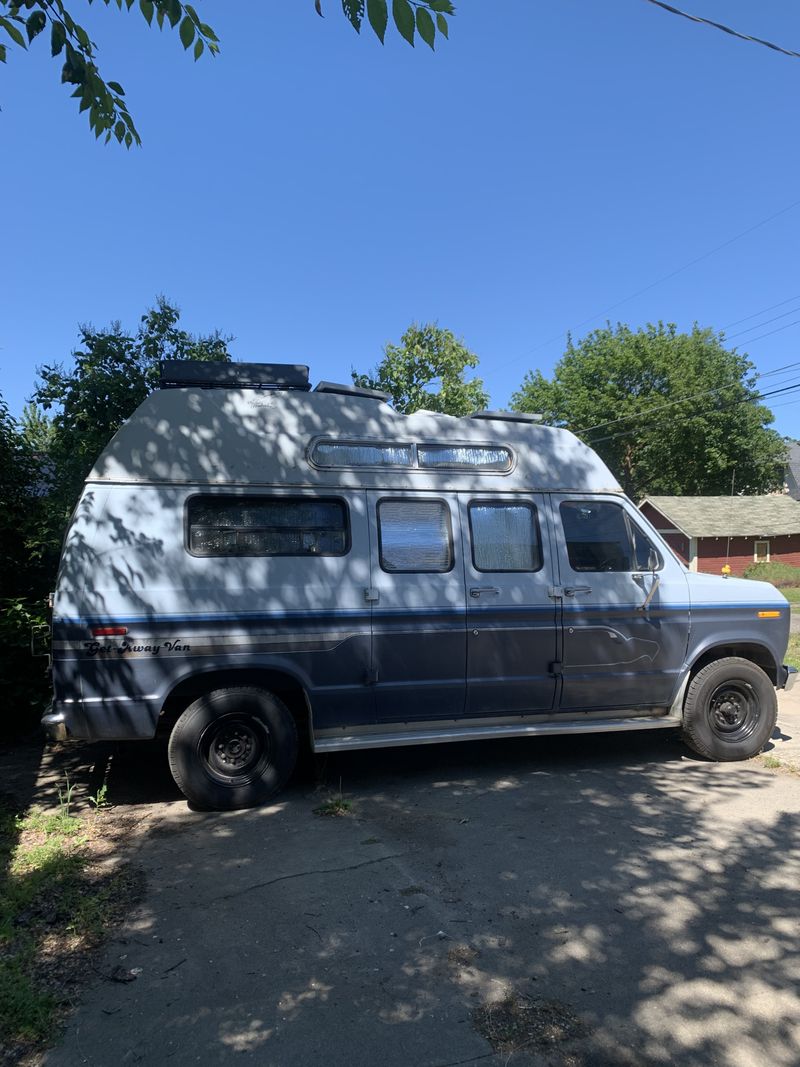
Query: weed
x,y
100,798
771,761
65,796
335,805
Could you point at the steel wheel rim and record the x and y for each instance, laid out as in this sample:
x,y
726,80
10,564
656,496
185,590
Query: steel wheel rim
x,y
733,711
235,749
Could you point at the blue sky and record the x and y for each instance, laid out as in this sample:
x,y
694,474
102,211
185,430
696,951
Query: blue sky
x,y
312,193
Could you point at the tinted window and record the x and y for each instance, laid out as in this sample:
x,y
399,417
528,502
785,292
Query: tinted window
x,y
258,526
505,537
601,537
415,535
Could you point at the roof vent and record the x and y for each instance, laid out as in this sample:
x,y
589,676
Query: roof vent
x,y
352,390
507,416
214,375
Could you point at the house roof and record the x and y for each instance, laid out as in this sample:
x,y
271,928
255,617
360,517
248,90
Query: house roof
x,y
730,516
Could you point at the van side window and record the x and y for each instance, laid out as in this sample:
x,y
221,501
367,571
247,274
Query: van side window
x,y
415,535
263,526
505,537
600,537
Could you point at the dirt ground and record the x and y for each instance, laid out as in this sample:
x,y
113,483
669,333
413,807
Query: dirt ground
x,y
583,901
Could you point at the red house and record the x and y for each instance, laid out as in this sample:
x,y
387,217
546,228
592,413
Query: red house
x,y
709,531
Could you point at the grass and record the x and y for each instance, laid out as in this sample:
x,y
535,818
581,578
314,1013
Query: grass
x,y
793,651
792,594
55,908
335,806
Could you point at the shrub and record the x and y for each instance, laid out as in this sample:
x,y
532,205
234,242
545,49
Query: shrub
x,y
783,575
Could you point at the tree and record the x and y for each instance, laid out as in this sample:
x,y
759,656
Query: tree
x,y
25,20
426,370
669,412
113,372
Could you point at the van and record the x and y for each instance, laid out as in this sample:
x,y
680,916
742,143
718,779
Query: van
x,y
254,565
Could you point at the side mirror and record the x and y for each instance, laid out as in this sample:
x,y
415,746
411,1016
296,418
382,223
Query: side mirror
x,y
653,560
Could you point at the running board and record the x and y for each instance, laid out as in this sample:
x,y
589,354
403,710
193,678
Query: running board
x,y
488,733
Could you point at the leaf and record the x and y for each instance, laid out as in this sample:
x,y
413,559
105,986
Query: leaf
x,y
378,15
354,9
186,32
441,25
403,15
2,53
119,130
13,32
442,5
58,36
35,24
207,32
117,88
148,9
425,26
174,12
198,48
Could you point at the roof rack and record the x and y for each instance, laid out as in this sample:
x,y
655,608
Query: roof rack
x,y
507,416
215,375
352,390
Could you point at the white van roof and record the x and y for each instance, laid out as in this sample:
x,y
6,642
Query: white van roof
x,y
249,437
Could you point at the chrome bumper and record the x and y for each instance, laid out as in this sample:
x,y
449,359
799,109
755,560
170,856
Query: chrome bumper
x,y
789,677
54,724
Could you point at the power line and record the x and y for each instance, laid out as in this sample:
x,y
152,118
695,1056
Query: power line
x,y
680,400
763,311
721,407
769,333
725,29
766,322
652,285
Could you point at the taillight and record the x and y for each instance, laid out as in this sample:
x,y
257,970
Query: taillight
x,y
109,631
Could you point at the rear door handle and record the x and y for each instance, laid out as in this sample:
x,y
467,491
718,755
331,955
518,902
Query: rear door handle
x,y
571,590
479,590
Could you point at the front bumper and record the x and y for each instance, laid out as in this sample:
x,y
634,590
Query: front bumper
x,y
787,676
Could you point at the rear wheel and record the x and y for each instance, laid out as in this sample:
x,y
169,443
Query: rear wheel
x,y
233,748
730,710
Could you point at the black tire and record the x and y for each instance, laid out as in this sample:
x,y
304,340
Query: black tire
x,y
233,748
730,710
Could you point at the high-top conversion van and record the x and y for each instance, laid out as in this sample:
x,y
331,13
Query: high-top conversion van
x,y
254,565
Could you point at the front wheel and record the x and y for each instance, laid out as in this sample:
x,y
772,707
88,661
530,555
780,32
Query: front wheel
x,y
233,748
730,710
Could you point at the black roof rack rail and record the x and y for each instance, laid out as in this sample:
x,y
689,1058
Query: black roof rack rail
x,y
352,390
204,374
507,416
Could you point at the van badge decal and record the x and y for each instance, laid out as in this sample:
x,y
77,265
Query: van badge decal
x,y
97,648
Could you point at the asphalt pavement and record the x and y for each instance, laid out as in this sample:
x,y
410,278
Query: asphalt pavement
x,y
583,901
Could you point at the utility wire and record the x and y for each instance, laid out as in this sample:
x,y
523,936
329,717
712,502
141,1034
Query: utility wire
x,y
766,322
763,311
722,407
652,285
725,29
680,400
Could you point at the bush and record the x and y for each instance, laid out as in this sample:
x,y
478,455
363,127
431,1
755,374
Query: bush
x,y
24,684
782,575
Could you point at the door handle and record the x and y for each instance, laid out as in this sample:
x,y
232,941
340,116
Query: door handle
x,y
479,590
571,590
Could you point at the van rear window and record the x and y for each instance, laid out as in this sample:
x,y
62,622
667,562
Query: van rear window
x,y
261,526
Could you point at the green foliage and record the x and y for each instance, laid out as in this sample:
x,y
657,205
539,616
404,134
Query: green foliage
x,y
409,16
669,412
104,100
782,575
113,372
427,357
22,21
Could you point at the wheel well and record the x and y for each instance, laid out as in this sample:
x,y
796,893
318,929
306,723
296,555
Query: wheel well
x,y
757,654
284,687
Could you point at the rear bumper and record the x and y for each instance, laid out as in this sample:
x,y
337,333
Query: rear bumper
x,y
102,719
787,676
